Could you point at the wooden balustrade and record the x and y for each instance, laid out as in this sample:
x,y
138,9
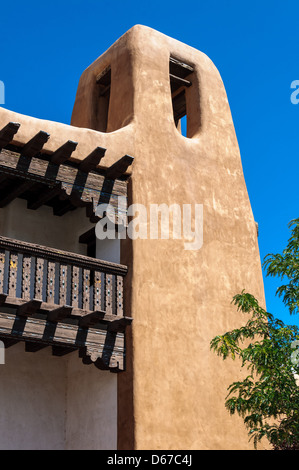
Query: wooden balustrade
x,y
58,278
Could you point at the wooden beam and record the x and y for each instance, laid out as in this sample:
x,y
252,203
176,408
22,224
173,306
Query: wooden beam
x,y
31,346
180,81
29,308
92,160
88,237
8,132
119,326
59,314
8,342
91,193
91,318
19,189
61,351
2,299
120,167
67,337
44,197
35,145
63,207
181,65
63,153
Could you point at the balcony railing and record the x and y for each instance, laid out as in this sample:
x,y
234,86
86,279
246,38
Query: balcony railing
x,y
39,278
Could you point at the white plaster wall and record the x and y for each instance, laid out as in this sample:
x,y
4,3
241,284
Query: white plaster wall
x,y
42,227
50,402
32,400
108,250
91,407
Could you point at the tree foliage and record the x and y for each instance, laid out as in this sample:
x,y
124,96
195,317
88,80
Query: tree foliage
x,y
268,398
286,267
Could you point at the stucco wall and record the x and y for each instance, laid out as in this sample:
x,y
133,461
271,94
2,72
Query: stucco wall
x,y
173,391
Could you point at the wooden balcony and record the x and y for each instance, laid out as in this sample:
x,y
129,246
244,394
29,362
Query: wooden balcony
x,y
63,300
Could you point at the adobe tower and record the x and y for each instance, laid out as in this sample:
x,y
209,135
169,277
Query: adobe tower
x,y
171,390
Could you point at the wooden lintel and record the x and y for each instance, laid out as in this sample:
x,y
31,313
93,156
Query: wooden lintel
x,y
92,160
59,313
180,81
35,145
119,326
181,65
44,197
31,346
16,191
29,308
8,132
64,152
91,318
120,167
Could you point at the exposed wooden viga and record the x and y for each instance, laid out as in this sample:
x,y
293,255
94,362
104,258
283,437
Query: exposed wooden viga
x,y
64,300
52,179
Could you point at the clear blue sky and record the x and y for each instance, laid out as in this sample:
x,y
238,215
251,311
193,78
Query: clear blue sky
x,y
45,46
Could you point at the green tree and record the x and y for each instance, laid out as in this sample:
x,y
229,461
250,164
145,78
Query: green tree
x,y
268,398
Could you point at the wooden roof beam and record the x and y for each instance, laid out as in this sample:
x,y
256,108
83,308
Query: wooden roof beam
x,y
61,351
63,153
182,65
91,318
44,197
35,145
92,160
8,341
8,132
119,325
120,167
180,81
8,197
31,346
88,237
29,308
60,313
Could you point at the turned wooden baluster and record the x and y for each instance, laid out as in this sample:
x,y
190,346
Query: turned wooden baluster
x,y
109,294
63,284
51,283
97,291
2,268
75,286
86,290
39,275
26,277
13,270
119,296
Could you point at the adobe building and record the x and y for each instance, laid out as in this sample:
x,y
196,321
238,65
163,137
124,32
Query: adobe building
x,y
108,341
